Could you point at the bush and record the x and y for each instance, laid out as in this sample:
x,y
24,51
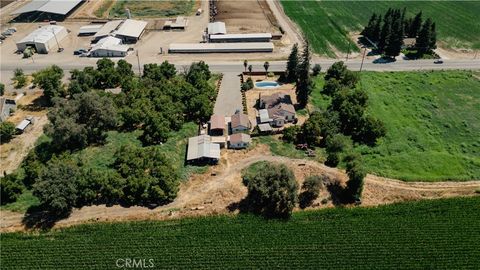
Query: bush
x,y
270,74
272,189
248,84
311,189
7,130
356,174
2,89
316,70
10,189
290,133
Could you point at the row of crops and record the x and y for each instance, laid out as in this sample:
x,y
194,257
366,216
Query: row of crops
x,y
440,234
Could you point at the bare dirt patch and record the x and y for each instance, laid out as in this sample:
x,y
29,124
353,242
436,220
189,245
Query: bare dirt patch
x,y
246,16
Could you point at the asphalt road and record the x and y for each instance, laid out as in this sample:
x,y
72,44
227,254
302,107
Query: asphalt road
x,y
236,66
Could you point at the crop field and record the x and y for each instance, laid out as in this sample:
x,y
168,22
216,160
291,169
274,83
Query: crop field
x,y
152,8
326,24
435,234
432,121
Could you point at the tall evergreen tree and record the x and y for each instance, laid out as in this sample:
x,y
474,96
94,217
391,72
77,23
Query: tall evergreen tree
x,y
292,64
415,25
394,43
424,37
368,30
377,29
433,37
386,32
304,82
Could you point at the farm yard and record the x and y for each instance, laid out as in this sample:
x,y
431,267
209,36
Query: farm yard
x,y
155,8
382,237
327,23
432,121
256,18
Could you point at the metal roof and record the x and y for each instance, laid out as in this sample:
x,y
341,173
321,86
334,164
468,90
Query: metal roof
x,y
201,146
108,28
43,34
265,127
264,117
242,36
50,6
217,28
240,138
131,28
89,29
221,47
23,125
110,43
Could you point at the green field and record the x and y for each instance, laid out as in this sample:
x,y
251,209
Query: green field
x,y
327,23
432,121
152,8
435,234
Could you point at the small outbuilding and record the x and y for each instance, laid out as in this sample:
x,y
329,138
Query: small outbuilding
x,y
43,39
216,28
90,30
201,150
239,141
107,30
240,123
217,125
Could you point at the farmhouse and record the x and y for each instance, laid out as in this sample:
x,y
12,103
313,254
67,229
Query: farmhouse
x,y
109,47
217,125
202,150
248,47
239,141
216,28
266,102
7,106
281,114
130,30
240,123
43,39
40,10
231,38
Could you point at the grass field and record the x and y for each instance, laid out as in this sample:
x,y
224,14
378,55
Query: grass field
x,y
152,8
432,121
327,23
436,234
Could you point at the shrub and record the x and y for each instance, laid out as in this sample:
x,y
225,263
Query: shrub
x,y
7,130
10,189
271,74
272,189
311,189
290,133
316,70
2,89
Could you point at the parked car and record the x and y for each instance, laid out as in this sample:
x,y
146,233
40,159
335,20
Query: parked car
x,y
2,37
438,61
7,33
79,51
12,29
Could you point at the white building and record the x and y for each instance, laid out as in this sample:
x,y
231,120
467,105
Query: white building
x,y
109,47
217,28
130,30
107,30
43,39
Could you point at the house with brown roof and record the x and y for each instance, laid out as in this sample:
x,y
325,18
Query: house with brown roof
x,y
217,125
240,123
267,102
281,114
239,141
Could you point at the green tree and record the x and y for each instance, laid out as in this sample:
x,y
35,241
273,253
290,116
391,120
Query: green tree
x,y
7,130
197,73
99,187
10,189
124,69
292,64
56,187
155,130
107,76
156,72
415,26
245,64
316,70
424,38
312,129
272,189
335,145
266,65
50,80
368,31
150,177
2,89
395,39
250,68
290,133
433,37
19,78
311,189
305,84
356,174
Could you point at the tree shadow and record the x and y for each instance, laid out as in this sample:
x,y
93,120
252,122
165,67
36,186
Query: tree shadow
x,y
340,195
39,217
246,206
306,199
38,104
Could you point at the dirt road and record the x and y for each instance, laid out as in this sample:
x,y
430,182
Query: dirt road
x,y
206,194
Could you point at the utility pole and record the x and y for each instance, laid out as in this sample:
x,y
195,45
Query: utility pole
x,y
363,58
58,45
138,61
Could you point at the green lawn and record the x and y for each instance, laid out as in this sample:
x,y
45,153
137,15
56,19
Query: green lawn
x,y
327,23
152,8
433,234
432,121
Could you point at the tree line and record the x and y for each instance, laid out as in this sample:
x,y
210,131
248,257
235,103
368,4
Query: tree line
x,y
387,32
81,113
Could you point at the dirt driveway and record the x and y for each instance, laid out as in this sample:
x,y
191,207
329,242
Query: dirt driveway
x,y
206,194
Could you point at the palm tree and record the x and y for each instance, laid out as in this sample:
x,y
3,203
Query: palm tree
x,y
245,64
266,65
250,67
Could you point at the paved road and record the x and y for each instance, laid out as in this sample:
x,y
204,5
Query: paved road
x,y
229,97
